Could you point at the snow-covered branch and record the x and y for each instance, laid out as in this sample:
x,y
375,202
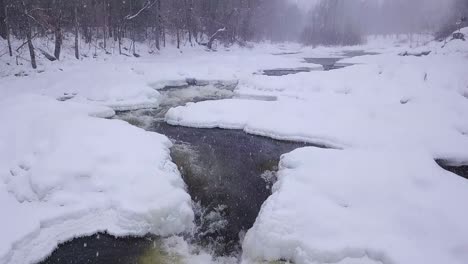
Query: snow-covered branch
x,y
214,36
147,5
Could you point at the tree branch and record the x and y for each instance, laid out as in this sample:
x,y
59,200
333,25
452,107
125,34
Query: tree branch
x,y
147,5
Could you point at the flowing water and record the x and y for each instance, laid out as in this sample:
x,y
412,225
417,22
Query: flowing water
x,y
228,173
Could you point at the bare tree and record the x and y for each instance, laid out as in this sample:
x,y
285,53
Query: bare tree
x,y
58,28
77,30
28,30
3,16
7,31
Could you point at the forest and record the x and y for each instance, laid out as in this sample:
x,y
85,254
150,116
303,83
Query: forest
x,y
202,22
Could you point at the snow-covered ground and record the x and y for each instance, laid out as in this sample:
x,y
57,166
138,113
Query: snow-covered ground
x,y
67,171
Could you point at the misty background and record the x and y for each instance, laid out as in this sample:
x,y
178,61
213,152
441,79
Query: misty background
x,y
340,22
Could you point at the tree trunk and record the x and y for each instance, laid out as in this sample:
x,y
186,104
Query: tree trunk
x,y
178,38
77,30
158,26
110,20
29,36
104,27
3,17
7,25
162,27
58,29
214,36
157,31
188,9
58,39
119,31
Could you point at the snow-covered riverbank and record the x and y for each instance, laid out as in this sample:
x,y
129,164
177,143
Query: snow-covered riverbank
x,y
65,173
382,196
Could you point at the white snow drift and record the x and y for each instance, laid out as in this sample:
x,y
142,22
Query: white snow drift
x,y
390,102
67,174
387,206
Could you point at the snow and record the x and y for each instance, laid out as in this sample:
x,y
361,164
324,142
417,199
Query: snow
x,y
190,254
388,206
377,197
389,102
115,86
65,173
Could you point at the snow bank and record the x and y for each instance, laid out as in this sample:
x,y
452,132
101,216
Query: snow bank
x,y
451,45
113,85
382,199
65,174
391,207
390,102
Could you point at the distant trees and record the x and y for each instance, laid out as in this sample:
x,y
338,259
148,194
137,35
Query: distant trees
x,y
278,21
345,22
105,18
333,22
97,22
457,19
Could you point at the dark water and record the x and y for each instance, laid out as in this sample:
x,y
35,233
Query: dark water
x,y
106,249
328,64
460,170
356,53
286,53
230,174
282,72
